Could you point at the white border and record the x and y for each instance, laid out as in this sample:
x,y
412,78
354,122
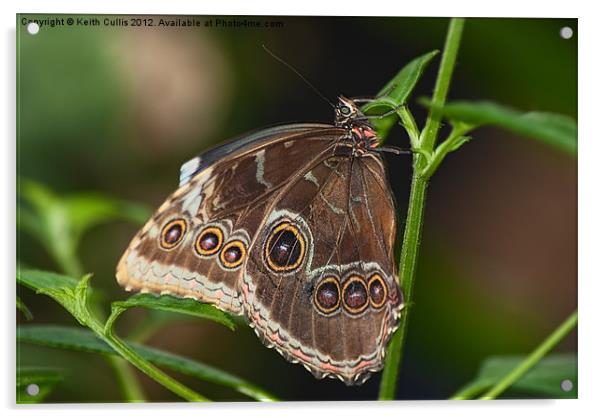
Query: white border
x,y
590,205
467,8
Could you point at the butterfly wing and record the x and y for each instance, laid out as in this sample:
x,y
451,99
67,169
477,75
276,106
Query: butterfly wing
x,y
320,284
290,229
194,244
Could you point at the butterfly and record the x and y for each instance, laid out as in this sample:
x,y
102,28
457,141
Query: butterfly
x,y
292,227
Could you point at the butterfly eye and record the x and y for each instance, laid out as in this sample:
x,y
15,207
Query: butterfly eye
x,y
172,234
327,297
345,111
285,248
233,254
378,291
209,241
355,295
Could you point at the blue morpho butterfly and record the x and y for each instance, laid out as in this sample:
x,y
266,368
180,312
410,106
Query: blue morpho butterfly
x,y
292,227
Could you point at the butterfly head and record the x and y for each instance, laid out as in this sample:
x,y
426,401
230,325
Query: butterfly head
x,y
346,112
360,131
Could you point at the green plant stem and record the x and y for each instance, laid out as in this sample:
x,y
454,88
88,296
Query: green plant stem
x,y
409,257
139,362
446,69
125,377
548,344
456,139
128,383
414,219
408,122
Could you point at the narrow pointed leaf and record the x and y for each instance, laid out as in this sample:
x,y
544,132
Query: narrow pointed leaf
x,y
34,384
544,379
59,222
401,86
179,305
83,340
558,131
57,286
397,91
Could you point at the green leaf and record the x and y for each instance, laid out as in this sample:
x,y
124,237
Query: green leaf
x,y
46,219
86,210
59,223
397,91
83,340
67,291
400,87
73,296
543,379
555,130
46,282
42,380
24,309
179,305
452,143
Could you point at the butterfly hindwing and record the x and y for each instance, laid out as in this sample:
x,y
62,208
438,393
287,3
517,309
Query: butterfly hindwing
x,y
324,245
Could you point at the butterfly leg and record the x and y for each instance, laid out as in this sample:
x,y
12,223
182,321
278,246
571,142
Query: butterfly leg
x,y
395,150
382,115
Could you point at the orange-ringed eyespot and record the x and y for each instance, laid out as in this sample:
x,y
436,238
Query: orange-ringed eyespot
x,y
285,248
172,233
378,291
355,295
233,254
327,296
209,241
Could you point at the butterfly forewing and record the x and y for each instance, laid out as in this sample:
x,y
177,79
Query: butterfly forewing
x,y
219,201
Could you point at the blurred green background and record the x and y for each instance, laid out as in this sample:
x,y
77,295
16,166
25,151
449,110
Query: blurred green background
x,y
118,110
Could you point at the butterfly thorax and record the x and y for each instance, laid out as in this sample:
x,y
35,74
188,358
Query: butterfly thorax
x,y
359,130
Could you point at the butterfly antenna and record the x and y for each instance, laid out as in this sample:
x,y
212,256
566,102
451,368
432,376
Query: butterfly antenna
x,y
293,69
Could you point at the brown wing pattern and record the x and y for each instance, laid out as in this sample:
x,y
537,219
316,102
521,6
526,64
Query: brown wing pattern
x,y
291,230
222,199
336,309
